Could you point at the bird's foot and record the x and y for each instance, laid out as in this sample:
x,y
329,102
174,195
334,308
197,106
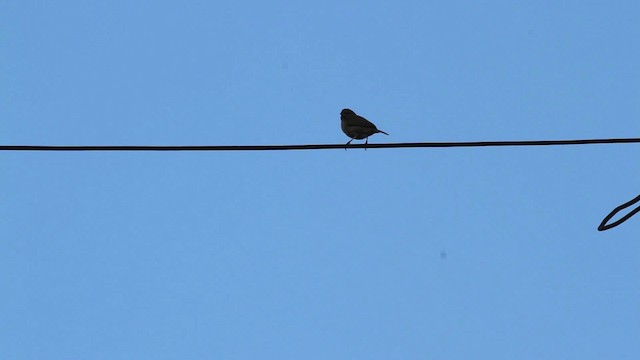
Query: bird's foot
x,y
347,144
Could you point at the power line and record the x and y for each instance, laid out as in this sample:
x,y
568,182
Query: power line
x,y
603,226
311,146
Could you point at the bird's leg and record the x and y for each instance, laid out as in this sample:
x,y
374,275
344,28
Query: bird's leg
x,y
347,144
366,143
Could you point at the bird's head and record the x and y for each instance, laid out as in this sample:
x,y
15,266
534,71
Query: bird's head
x,y
347,112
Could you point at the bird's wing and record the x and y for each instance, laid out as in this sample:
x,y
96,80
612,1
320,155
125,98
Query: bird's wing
x,y
360,121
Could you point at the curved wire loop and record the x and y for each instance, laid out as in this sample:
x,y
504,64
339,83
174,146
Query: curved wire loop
x,y
604,226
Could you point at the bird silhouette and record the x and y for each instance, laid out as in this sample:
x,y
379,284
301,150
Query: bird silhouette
x,y
357,127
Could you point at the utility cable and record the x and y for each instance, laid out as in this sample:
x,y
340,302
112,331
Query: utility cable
x,y
311,147
603,225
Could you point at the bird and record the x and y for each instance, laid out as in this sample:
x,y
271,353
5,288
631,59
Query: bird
x,y
357,127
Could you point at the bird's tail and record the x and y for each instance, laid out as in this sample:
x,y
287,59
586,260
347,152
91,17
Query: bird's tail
x,y
380,131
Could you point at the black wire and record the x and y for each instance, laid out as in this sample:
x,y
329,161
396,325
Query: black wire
x,y
603,226
310,147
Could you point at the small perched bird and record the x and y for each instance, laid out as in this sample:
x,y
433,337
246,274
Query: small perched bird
x,y
357,127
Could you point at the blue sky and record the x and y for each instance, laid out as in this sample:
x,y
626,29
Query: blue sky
x,y
318,254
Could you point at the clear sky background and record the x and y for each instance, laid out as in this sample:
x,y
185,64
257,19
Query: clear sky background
x,y
458,253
